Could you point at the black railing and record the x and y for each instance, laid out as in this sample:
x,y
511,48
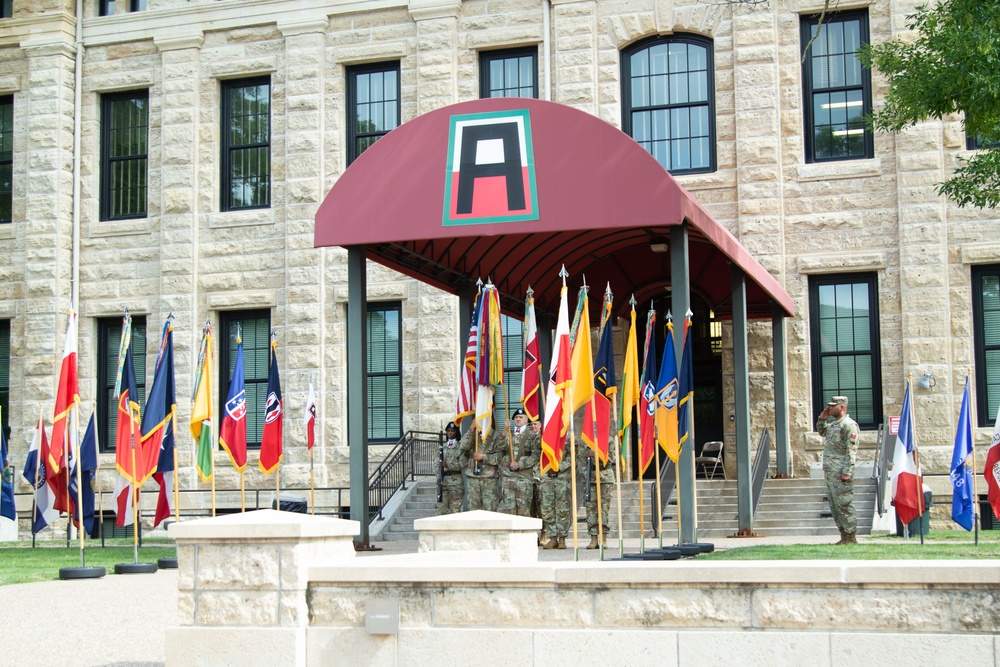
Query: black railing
x,y
415,455
758,473
668,482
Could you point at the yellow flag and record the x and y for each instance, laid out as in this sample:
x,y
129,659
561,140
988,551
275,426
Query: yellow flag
x,y
583,359
630,381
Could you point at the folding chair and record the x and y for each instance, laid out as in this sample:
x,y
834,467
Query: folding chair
x,y
710,462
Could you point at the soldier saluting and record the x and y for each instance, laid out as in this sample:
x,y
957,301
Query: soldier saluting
x,y
840,452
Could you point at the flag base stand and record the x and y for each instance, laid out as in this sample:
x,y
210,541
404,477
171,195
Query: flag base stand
x,y
667,553
135,568
167,563
88,572
689,549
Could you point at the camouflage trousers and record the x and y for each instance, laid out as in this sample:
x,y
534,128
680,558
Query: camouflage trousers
x,y
483,493
556,511
536,498
452,494
516,495
591,505
841,497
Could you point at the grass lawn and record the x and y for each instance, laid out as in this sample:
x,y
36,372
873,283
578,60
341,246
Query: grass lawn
x,y
938,545
21,564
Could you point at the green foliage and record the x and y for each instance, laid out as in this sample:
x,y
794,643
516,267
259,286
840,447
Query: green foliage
x,y
953,66
22,564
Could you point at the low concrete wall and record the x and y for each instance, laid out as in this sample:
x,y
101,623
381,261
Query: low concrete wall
x,y
478,607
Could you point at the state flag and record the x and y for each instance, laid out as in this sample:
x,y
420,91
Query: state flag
x,y
233,432
274,418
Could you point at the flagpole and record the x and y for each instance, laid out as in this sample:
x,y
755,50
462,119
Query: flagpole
x,y
79,482
38,463
134,492
975,491
916,464
572,477
243,504
618,480
69,476
312,484
642,509
597,476
97,481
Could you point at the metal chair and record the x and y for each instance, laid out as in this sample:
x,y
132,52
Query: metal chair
x,y
710,462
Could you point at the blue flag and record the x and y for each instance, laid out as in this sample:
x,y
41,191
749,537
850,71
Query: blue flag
x,y
88,465
157,421
963,510
34,473
7,481
686,389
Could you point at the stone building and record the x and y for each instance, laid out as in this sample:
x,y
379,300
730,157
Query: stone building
x,y
169,156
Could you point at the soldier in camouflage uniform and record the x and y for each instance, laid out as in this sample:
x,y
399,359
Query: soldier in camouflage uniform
x,y
584,456
840,451
452,484
536,499
480,466
517,474
556,510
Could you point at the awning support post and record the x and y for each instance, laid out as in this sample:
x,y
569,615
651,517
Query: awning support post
x,y
357,396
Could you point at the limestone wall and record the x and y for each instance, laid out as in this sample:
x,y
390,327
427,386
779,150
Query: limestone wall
x,y
880,215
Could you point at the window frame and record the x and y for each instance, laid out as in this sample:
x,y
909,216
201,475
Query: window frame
x,y
512,333
106,179
809,135
106,404
103,7
626,92
819,400
384,307
6,9
227,349
985,416
227,149
5,330
7,100
488,57
353,135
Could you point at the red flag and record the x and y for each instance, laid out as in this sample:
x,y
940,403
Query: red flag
x,y
556,422
309,420
274,417
233,431
605,386
647,398
531,378
907,484
67,397
992,470
135,463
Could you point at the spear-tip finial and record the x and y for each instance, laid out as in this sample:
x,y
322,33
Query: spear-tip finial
x,y
631,301
688,314
564,274
607,292
670,316
479,282
530,293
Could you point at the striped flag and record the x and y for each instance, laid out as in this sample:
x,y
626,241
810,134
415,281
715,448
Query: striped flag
x,y
531,378
907,484
667,396
35,474
158,425
134,463
67,397
466,403
202,412
556,422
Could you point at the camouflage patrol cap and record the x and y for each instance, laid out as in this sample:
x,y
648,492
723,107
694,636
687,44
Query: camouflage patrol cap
x,y
837,400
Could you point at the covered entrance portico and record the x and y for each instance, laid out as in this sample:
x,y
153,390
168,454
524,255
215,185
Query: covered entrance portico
x,y
512,189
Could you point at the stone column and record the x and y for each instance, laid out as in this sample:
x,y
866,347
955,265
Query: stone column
x,y
437,52
243,582
48,215
575,42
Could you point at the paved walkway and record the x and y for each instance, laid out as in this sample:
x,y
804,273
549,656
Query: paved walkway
x,y
118,621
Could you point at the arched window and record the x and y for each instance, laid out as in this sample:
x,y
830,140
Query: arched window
x,y
668,101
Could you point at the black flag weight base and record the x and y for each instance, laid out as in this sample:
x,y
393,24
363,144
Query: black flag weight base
x,y
167,563
135,568
88,572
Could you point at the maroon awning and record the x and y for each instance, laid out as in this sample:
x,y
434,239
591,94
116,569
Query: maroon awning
x,y
602,201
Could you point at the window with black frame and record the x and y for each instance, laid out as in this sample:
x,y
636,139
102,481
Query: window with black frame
x,y
385,372
5,373
6,9
110,7
373,107
668,101
509,73
124,158
6,158
844,337
513,368
254,327
836,88
109,338
986,321
246,143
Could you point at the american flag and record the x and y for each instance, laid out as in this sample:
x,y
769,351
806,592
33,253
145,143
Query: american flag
x,y
466,403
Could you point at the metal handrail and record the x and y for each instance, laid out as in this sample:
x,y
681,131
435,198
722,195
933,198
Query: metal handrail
x,y
415,455
761,464
881,470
